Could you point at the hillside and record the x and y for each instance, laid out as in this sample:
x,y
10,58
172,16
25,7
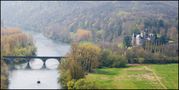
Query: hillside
x,y
107,22
114,19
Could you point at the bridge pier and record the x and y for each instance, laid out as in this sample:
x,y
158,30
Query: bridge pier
x,y
59,60
28,65
11,65
44,65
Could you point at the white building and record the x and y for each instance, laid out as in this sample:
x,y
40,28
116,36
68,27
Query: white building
x,y
139,40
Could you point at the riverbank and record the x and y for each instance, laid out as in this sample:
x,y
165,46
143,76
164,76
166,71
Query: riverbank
x,y
147,76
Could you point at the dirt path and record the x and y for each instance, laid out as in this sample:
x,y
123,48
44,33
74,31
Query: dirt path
x,y
147,68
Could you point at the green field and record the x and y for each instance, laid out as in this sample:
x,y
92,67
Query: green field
x,y
152,76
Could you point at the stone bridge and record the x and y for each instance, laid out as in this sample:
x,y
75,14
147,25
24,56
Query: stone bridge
x,y
11,60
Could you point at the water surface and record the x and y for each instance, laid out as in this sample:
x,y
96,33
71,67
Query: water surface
x,y
27,79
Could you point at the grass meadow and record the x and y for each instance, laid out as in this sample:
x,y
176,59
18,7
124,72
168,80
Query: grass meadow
x,y
147,76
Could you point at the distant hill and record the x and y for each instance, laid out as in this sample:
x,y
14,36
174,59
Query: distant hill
x,y
53,18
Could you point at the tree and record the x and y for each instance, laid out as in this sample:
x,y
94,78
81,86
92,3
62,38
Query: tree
x,y
163,39
161,23
173,33
83,35
15,42
83,58
89,56
127,41
4,75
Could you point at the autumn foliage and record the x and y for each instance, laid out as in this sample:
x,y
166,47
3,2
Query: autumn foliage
x,y
15,42
83,34
83,58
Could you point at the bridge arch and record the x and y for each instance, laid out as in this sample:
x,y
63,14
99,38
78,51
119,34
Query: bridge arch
x,y
52,63
36,63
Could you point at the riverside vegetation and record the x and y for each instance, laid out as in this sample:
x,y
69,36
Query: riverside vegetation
x,y
14,42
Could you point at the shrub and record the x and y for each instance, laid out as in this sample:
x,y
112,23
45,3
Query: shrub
x,y
71,84
118,61
85,84
105,59
123,61
141,60
64,78
109,59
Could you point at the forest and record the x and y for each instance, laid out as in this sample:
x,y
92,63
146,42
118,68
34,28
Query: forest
x,y
106,21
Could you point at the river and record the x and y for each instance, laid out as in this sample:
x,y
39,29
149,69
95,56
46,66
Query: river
x,y
27,79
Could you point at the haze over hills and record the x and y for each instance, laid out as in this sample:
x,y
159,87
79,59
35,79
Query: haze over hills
x,y
53,17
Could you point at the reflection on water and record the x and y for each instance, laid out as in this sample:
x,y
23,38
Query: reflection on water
x,y
52,63
36,64
27,79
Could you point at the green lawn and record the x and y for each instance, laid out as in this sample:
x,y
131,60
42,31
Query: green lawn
x,y
137,77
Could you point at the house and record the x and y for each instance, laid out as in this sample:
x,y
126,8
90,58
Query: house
x,y
140,38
